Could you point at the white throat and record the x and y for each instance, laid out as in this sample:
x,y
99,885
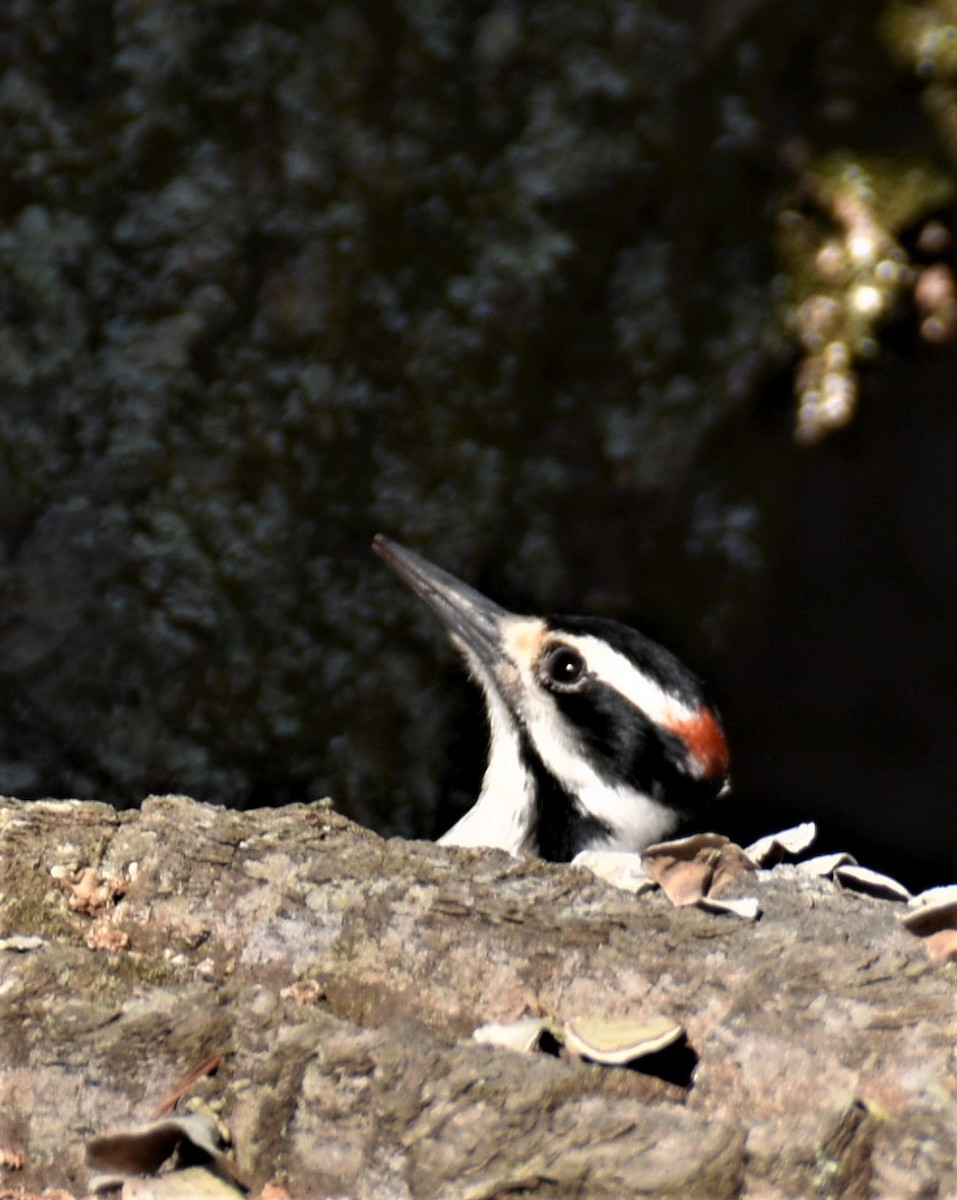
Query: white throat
x,y
504,814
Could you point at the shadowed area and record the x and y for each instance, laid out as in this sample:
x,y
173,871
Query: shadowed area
x,y
509,286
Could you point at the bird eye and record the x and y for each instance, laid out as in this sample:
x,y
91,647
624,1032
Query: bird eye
x,y
564,666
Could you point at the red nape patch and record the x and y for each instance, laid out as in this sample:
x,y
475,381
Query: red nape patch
x,y
704,738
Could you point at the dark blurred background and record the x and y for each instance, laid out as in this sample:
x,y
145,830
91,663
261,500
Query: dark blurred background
x,y
636,308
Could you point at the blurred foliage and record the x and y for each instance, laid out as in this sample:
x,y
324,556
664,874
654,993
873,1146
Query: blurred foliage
x,y
497,280
849,271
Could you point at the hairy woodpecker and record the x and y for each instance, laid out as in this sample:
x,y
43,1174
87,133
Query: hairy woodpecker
x,y
599,738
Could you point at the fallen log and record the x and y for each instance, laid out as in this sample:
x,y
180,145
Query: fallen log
x,y
319,987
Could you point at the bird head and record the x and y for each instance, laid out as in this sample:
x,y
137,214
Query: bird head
x,y
599,737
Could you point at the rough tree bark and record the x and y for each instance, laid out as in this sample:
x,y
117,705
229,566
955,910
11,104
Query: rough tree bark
x,y
825,1036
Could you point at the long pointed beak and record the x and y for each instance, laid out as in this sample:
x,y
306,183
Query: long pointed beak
x,y
470,619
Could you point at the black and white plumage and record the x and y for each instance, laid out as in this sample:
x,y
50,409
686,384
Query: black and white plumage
x,y
598,737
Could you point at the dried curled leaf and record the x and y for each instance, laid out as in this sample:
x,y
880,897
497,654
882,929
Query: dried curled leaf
x,y
872,883
620,868
935,895
932,918
523,1035
775,847
731,864
685,848
745,907
615,1041
142,1149
683,868
690,868
823,866
611,1041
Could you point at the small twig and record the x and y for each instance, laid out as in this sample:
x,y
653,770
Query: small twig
x,y
169,1102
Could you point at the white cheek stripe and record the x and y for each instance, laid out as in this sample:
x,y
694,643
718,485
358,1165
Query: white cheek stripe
x,y
619,672
635,820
